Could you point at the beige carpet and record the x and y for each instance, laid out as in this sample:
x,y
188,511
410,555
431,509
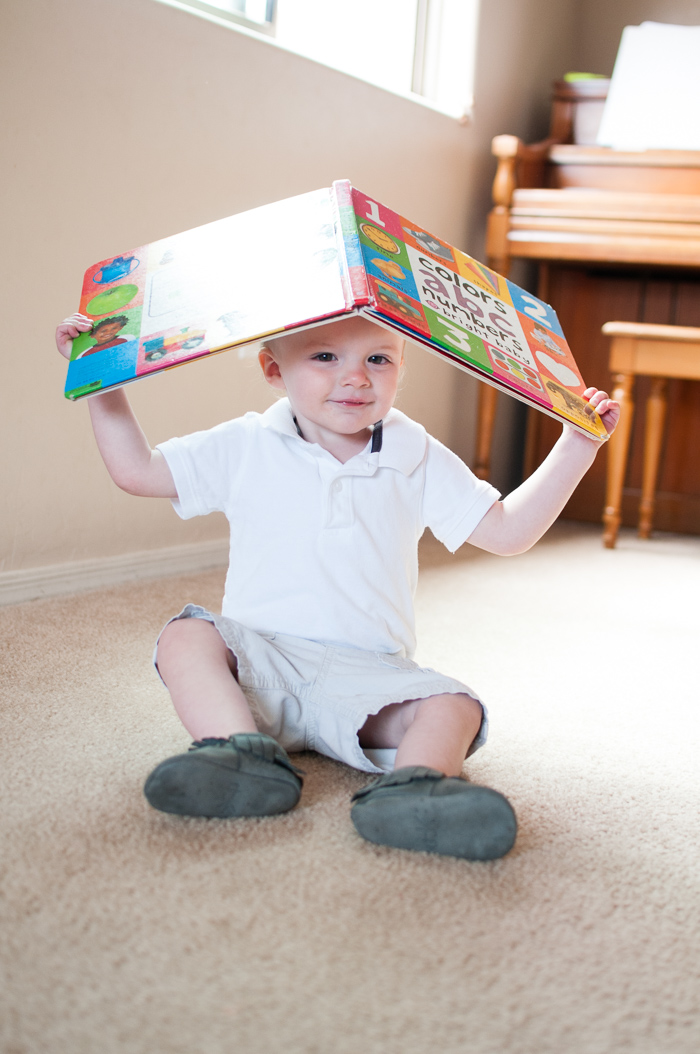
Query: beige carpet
x,y
129,931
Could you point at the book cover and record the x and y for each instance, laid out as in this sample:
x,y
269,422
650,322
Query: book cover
x,y
310,259
465,312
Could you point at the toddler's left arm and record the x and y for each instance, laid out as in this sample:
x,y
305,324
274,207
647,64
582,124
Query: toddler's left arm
x,y
514,525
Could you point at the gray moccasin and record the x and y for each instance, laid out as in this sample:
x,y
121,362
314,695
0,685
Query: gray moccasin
x,y
248,774
419,808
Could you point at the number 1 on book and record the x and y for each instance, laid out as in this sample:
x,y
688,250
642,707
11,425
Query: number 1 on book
x,y
373,213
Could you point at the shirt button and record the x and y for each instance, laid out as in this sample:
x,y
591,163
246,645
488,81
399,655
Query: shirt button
x,y
337,486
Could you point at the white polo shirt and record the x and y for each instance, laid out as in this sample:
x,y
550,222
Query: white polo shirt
x,y
322,550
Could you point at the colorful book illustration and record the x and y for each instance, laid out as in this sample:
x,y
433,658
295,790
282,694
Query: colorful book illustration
x,y
308,260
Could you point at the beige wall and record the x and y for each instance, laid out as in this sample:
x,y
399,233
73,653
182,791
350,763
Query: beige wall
x,y
126,121
600,25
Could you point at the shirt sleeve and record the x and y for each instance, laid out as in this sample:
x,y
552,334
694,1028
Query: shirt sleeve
x,y
454,500
204,467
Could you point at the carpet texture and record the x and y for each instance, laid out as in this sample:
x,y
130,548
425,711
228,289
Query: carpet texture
x,y
125,930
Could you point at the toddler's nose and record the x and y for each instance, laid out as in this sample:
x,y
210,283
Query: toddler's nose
x,y
356,377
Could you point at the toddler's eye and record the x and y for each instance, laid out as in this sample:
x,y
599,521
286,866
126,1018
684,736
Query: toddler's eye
x,y
324,356
377,360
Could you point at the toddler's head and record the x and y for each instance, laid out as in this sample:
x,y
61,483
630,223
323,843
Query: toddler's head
x,y
341,377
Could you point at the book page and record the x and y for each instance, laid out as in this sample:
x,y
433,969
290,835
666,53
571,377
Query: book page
x,y
223,284
464,312
249,274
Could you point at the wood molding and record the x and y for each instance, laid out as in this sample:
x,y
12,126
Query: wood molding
x,y
79,576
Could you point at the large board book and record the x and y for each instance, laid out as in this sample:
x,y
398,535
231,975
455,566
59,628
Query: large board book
x,y
311,259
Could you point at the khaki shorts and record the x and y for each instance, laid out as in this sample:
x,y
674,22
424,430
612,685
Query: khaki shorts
x,y
311,696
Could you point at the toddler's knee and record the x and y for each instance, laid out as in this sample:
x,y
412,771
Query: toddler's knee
x,y
457,702
471,712
459,711
181,634
470,706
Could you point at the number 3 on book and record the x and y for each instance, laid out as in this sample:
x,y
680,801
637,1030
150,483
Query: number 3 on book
x,y
454,335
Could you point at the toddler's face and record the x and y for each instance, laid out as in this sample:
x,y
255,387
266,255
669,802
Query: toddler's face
x,y
340,378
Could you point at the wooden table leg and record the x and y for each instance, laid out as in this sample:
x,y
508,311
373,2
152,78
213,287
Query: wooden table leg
x,y
618,447
653,434
484,430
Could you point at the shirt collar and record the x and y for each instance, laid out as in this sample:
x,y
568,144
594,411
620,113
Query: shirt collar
x,y
403,446
279,418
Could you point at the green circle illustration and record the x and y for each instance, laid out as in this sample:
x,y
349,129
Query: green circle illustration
x,y
112,299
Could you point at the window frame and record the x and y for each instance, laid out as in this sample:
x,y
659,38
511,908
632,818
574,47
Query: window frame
x,y
267,28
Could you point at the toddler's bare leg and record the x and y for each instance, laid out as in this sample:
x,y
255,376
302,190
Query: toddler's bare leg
x,y
199,672
436,732
236,771
415,807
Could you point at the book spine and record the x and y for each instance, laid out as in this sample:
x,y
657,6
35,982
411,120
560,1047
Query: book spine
x,y
354,274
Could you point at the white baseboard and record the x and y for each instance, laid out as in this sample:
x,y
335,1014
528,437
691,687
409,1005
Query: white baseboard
x,y
16,587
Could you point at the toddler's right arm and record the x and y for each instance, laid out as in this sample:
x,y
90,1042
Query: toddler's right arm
x,y
126,452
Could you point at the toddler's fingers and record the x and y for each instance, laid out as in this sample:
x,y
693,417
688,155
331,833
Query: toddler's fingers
x,y
609,412
68,330
81,322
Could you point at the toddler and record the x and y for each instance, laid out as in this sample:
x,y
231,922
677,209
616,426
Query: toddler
x,y
327,494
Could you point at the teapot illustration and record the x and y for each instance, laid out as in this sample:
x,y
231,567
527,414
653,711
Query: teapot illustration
x,y
116,269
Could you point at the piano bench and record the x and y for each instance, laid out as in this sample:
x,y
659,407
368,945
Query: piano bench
x,y
660,352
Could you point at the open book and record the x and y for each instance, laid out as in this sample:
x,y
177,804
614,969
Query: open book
x,y
311,259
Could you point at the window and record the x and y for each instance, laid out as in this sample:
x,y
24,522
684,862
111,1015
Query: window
x,y
253,14
421,49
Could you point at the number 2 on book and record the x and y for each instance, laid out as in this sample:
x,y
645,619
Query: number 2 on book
x,y
373,213
535,309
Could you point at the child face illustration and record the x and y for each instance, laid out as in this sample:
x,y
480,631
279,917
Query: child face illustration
x,y
106,331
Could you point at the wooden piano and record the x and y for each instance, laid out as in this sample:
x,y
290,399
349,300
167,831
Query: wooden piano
x,y
616,236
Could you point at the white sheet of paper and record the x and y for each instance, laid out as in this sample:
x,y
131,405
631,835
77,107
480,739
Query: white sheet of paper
x,y
654,97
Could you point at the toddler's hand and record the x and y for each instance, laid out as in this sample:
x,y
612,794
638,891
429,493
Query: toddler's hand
x,y
608,410
70,328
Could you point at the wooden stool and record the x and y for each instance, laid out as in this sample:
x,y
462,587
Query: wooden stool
x,y
660,352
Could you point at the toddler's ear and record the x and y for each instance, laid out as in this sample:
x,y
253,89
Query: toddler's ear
x,y
270,368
